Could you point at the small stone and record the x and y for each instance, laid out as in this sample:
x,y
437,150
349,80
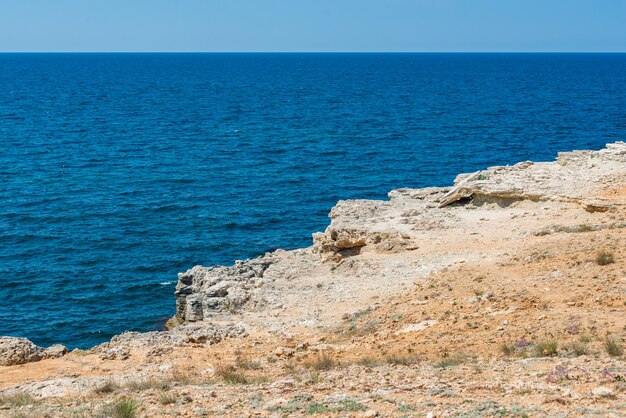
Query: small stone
x,y
55,351
416,327
602,392
284,352
370,413
115,354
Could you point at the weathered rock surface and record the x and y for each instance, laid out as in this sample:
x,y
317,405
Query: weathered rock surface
x,y
575,176
15,351
401,307
121,346
401,224
204,292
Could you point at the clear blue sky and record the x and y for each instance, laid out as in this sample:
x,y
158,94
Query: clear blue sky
x,y
312,25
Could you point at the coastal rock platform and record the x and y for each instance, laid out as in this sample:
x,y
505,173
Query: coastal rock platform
x,y
503,294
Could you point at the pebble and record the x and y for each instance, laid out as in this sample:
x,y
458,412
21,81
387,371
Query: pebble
x,y
602,392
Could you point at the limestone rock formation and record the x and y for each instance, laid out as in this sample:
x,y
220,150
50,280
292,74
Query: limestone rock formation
x,y
574,176
204,292
15,351
491,286
400,224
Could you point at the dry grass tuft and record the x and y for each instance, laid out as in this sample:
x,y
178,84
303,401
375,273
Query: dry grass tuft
x,y
402,359
167,398
578,348
231,375
368,361
151,383
107,387
613,348
18,399
548,348
184,377
322,362
122,408
449,360
247,364
508,349
604,258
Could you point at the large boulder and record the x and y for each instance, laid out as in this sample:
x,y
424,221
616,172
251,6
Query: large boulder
x,y
15,351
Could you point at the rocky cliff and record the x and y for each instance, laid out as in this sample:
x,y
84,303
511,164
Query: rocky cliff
x,y
503,294
401,224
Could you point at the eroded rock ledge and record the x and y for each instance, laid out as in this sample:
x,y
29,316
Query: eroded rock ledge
x,y
369,248
394,226
508,285
574,177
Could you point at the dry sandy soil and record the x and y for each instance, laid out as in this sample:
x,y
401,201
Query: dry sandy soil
x,y
480,300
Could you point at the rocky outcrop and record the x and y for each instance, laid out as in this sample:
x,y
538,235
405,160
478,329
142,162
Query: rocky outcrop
x,y
401,224
574,176
397,297
15,351
383,226
205,292
156,343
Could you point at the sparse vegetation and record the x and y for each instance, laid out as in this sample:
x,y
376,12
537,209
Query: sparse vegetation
x,y
322,362
152,383
369,361
314,377
18,399
492,409
184,377
604,258
406,408
538,255
325,408
508,349
367,328
396,317
569,229
122,408
546,348
109,386
613,348
578,348
449,360
402,359
248,364
167,398
231,375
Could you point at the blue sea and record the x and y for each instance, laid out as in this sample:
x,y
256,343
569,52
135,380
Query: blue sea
x,y
117,171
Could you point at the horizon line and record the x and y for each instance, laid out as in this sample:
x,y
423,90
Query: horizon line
x,y
313,52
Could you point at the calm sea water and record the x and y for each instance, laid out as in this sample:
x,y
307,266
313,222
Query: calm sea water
x,y
119,170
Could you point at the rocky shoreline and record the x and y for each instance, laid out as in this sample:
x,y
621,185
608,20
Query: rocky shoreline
x,y
478,275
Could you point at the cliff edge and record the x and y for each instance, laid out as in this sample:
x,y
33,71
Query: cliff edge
x,y
503,294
